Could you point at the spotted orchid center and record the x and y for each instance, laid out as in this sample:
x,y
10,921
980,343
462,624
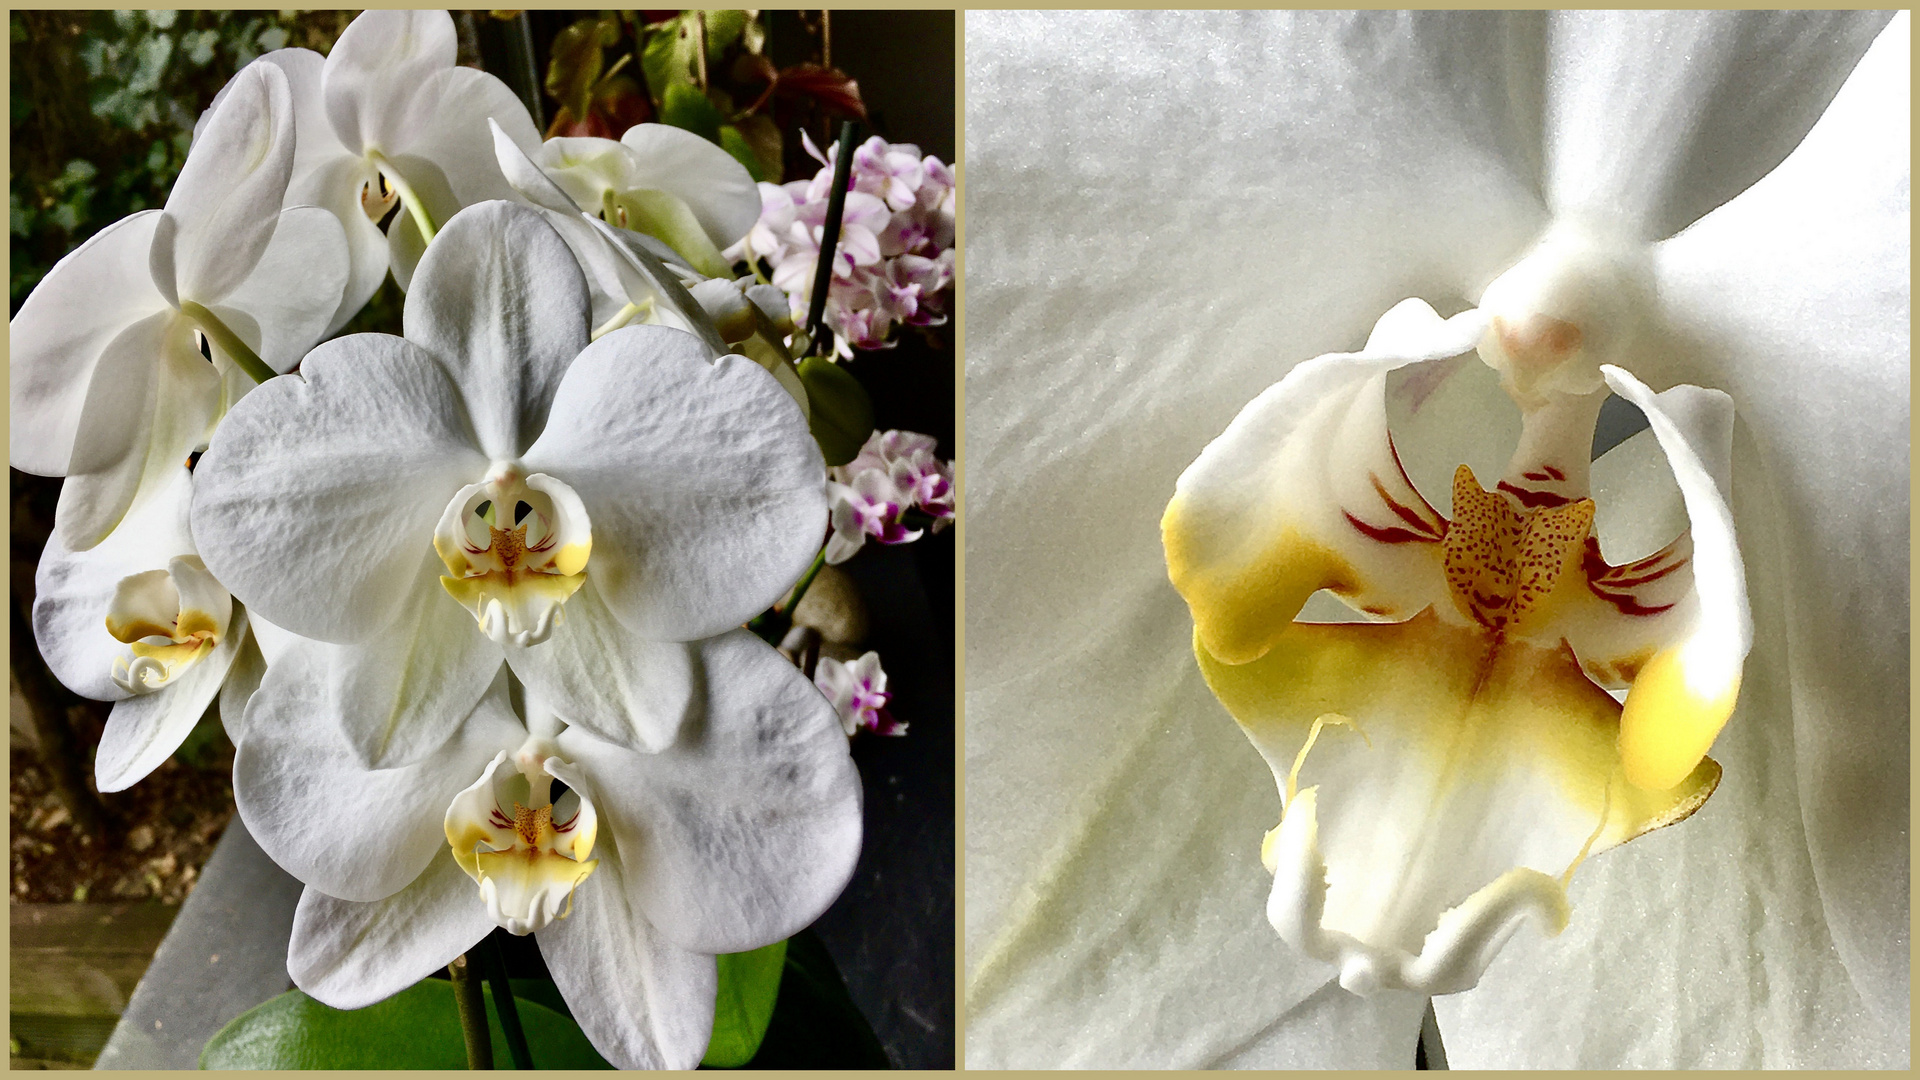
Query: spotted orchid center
x,y
1503,565
525,850
169,619
515,548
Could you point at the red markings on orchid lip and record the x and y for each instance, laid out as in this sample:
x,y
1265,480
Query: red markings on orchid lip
x,y
1424,523
1614,584
1533,500
1545,473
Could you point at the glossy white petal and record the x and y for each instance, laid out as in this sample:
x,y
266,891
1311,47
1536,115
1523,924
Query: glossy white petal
x,y
56,340
746,828
223,208
716,187
597,674
289,298
1654,118
317,499
376,66
500,301
350,954
144,730
707,493
350,831
642,1002
74,590
151,403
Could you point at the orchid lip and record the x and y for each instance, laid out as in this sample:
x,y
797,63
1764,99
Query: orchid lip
x,y
516,549
526,851
170,620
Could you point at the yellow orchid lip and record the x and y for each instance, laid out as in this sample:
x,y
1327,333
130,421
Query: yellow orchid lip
x,y
526,852
516,549
169,619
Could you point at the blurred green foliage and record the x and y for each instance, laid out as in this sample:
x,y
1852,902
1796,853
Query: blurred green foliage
x,y
102,110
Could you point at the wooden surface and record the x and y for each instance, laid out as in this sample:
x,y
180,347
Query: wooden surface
x,y
71,971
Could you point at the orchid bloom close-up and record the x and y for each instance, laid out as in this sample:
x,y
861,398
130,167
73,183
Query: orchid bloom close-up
x,y
391,129
632,878
133,346
582,511
1383,298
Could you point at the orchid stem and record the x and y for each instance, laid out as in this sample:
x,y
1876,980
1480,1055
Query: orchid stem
x,y
620,318
473,1012
503,1003
238,351
806,581
772,624
830,233
421,219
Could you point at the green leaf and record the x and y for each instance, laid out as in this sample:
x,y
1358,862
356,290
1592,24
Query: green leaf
x,y
577,61
418,1028
841,414
684,106
815,1023
749,985
762,136
667,60
723,29
736,144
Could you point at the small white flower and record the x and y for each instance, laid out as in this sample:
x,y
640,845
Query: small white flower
x,y
859,694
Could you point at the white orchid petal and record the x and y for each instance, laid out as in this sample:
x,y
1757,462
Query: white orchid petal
x,y
597,674
316,502
73,591
707,491
223,209
335,183
744,830
500,301
450,121
350,831
350,954
143,731
402,691
1796,299
152,400
243,678
526,177
643,274
1655,118
289,299
718,189
642,1002
56,340
1304,491
375,67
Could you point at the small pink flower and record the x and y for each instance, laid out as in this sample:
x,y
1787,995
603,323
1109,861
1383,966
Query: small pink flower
x,y
859,694
869,506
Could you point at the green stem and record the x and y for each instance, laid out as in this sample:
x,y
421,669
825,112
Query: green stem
x,y
421,219
503,1003
806,582
620,318
473,1013
238,351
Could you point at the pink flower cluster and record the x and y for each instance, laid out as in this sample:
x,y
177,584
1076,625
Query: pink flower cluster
x,y
859,694
894,473
894,262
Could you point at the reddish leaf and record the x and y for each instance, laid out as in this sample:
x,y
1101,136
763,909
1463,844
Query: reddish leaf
x,y
831,88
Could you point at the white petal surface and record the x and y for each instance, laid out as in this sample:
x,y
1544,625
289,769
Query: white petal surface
x,y
717,188
56,340
746,828
643,1003
350,955
379,62
152,400
243,678
500,300
350,831
446,120
144,730
72,591
599,675
1357,158
318,497
707,493
1655,118
288,301
223,209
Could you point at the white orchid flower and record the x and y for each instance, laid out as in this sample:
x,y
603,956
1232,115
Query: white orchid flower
x,y
736,836
858,691
138,621
387,117
1345,162
112,386
664,182
504,488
